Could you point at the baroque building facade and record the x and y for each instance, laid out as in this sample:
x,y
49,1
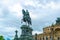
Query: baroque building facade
x,y
50,33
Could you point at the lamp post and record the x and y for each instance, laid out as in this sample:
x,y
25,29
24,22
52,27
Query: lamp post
x,y
36,36
16,36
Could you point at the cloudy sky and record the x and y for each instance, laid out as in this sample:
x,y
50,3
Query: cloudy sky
x,y
43,13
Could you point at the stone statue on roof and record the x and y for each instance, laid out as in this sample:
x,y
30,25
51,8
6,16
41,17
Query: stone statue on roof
x,y
58,21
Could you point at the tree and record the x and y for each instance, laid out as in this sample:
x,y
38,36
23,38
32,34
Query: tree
x,y
1,38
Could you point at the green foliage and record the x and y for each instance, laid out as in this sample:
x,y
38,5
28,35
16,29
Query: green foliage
x,y
1,38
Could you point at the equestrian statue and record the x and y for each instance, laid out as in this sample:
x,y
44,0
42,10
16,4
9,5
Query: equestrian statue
x,y
26,17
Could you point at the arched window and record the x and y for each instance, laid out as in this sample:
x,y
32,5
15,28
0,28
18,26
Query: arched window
x,y
46,38
43,38
51,38
40,38
58,38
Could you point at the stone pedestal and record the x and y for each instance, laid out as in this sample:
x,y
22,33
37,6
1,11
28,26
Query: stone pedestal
x,y
26,33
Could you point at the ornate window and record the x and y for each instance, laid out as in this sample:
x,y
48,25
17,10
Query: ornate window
x,y
40,38
43,38
51,38
46,38
58,38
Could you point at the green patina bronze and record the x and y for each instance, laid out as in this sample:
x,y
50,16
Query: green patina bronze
x,y
26,33
26,17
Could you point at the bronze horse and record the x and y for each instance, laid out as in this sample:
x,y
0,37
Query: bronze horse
x,y
26,17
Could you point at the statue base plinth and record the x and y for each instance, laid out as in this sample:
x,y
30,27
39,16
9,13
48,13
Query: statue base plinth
x,y
26,33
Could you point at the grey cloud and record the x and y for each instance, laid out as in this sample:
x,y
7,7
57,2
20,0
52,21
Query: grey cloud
x,y
37,24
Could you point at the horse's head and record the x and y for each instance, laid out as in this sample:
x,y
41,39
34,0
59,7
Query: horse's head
x,y
23,11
